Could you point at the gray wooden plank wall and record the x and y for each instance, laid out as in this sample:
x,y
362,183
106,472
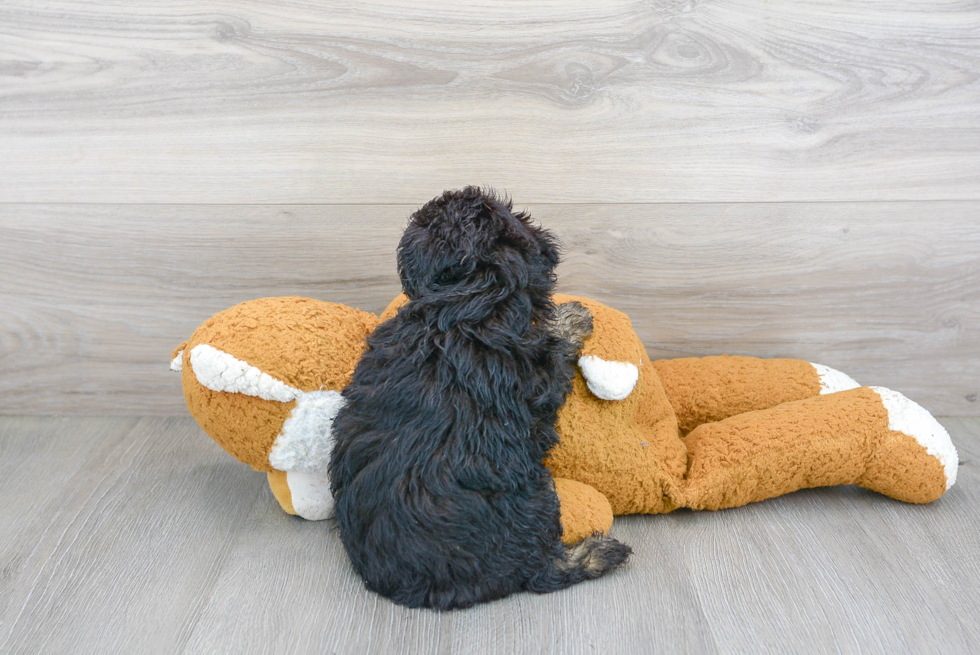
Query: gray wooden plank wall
x,y
122,535
290,101
94,297
779,179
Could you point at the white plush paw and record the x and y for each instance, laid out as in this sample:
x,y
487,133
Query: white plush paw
x,y
177,363
310,493
910,418
832,380
306,439
608,380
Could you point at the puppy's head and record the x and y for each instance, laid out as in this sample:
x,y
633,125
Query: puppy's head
x,y
471,241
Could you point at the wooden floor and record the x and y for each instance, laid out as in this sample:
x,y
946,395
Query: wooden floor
x,y
140,535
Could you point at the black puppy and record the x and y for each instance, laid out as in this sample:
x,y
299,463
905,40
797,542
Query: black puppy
x,y
442,499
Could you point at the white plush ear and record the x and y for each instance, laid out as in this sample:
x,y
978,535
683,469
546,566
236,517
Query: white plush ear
x,y
219,371
608,380
305,441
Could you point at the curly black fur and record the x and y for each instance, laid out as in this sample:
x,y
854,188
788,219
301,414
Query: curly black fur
x,y
442,499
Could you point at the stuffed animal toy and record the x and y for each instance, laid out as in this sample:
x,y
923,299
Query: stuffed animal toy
x,y
263,379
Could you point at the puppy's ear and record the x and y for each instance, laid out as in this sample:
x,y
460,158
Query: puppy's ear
x,y
420,258
442,242
547,243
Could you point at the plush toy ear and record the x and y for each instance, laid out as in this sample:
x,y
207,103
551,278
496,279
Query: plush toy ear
x,y
307,344
177,358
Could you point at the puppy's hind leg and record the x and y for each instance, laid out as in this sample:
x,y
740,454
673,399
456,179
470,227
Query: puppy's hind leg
x,y
588,559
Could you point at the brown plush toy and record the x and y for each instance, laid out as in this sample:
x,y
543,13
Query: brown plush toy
x,y
263,379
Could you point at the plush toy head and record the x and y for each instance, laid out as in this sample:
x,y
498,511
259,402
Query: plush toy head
x,y
258,377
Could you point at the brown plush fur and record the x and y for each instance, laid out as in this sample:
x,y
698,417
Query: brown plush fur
x,y
706,389
816,442
280,489
754,428
584,511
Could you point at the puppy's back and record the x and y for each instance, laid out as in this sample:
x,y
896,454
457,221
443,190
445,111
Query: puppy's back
x,y
442,499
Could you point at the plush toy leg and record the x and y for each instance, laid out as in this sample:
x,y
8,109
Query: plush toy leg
x,y
871,436
584,511
707,389
302,494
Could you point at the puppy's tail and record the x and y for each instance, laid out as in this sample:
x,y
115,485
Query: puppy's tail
x,y
590,558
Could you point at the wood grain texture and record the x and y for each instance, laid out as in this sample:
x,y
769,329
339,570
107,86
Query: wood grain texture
x,y
842,569
943,544
290,101
318,604
825,568
123,557
145,537
94,297
40,457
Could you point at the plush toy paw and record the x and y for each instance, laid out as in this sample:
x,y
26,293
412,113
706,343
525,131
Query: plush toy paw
x,y
303,494
909,419
584,511
832,380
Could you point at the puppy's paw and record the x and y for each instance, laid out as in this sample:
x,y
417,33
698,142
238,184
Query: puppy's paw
x,y
573,323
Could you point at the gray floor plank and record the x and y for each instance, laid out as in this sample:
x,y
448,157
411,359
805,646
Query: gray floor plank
x,y
288,588
843,569
130,550
945,543
814,568
156,541
41,458
94,297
